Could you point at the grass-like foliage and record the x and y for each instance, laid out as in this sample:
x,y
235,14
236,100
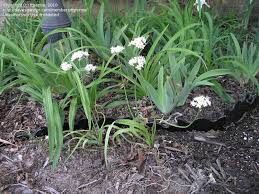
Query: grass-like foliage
x,y
175,90
244,62
55,118
131,128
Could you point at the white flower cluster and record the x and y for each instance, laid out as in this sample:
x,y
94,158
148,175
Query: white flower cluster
x,y
78,55
203,2
66,66
90,67
139,42
201,101
138,62
117,49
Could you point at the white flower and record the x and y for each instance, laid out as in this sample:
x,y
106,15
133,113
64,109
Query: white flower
x,y
139,42
138,62
201,101
90,67
203,2
66,66
79,55
133,61
139,67
117,49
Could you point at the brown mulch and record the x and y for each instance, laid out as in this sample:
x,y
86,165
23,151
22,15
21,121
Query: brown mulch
x,y
18,115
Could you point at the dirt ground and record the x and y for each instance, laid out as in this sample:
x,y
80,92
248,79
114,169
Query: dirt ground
x,y
223,161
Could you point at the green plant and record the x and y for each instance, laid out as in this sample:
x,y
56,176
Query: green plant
x,y
154,59
244,62
249,4
178,84
55,119
214,40
131,128
178,17
99,32
22,60
85,95
35,73
23,33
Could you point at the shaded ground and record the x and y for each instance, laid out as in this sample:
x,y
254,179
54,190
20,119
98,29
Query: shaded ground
x,y
181,162
19,116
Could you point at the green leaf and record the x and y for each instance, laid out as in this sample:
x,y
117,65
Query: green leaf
x,y
72,113
213,73
55,131
163,97
116,104
85,99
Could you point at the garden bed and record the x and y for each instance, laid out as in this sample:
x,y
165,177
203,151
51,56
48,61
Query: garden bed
x,y
181,162
30,122
161,100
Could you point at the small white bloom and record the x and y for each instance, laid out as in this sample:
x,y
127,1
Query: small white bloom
x,y
139,67
90,67
79,55
203,2
133,61
66,66
117,49
201,101
139,42
138,62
